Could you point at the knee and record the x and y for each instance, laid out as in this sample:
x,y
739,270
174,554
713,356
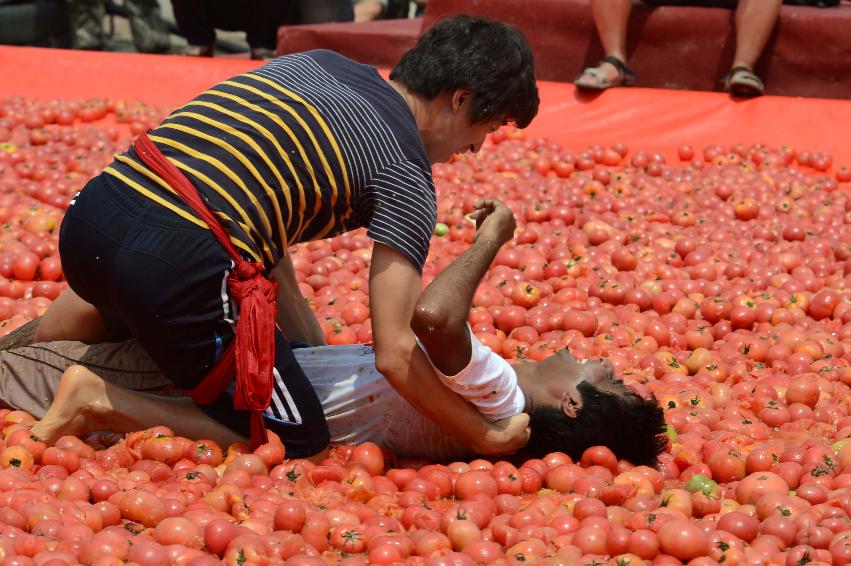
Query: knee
x,y
77,375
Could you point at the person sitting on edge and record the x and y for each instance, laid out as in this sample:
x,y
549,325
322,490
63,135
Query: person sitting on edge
x,y
755,19
572,404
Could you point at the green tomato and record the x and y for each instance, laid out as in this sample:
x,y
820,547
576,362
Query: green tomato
x,y
671,432
440,229
839,445
703,484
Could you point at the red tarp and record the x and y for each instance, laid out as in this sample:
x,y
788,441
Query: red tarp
x,y
658,120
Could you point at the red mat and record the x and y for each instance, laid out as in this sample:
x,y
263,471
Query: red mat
x,y
658,120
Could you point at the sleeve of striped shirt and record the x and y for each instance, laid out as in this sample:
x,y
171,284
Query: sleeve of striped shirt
x,y
404,210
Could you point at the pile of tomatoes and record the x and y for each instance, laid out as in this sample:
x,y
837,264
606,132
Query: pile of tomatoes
x,y
719,282
48,151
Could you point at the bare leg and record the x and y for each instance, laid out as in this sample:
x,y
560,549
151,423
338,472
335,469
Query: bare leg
x,y
755,20
611,18
20,337
368,10
86,403
71,318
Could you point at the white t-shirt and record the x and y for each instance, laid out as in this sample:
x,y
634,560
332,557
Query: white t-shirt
x,y
360,405
488,382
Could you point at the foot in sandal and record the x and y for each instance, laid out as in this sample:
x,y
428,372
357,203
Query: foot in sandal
x,y
610,72
741,81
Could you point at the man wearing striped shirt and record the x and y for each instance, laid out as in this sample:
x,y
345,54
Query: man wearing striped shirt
x,y
305,147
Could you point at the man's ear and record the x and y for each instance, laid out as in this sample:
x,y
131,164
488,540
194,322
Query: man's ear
x,y
570,405
461,98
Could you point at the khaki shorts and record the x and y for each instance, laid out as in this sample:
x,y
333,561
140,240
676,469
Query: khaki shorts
x,y
30,375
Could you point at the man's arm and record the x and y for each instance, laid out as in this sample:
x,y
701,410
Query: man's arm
x,y
440,316
394,286
295,316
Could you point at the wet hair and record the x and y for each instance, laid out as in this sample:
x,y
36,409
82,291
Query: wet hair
x,y
631,426
492,59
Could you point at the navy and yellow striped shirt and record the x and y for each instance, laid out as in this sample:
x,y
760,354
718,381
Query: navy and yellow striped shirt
x,y
307,146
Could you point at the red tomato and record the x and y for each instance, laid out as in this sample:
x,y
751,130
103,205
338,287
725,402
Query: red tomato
x,y
206,452
370,456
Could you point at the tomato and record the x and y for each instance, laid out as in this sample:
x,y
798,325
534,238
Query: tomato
x,y
65,458
177,530
348,539
585,322
370,456
206,452
526,294
600,456
755,485
162,448
142,506
218,534
25,266
16,457
682,540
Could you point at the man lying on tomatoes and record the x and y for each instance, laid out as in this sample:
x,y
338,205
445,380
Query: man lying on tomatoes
x,y
573,404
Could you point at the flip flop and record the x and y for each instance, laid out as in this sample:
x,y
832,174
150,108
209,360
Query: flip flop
x,y
626,76
741,81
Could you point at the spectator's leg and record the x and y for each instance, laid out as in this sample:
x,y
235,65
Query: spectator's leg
x,y
262,25
150,34
755,20
319,11
611,18
87,22
195,23
369,10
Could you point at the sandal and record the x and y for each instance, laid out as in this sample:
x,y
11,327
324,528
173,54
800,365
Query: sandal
x,y
741,81
626,76
199,50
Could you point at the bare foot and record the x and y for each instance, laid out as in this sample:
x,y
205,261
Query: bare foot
x,y
80,398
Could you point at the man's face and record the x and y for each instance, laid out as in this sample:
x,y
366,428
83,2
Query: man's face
x,y
455,132
559,376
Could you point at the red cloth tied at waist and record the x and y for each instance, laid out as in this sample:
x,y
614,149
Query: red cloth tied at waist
x,y
252,351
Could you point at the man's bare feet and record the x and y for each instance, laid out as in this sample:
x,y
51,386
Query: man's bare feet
x,y
80,398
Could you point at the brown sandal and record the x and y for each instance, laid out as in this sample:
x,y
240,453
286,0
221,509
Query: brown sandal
x,y
741,81
626,76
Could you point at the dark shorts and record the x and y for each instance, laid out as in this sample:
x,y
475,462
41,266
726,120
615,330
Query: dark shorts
x,y
161,279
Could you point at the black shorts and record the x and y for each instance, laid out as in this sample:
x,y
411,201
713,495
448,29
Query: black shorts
x,y
158,277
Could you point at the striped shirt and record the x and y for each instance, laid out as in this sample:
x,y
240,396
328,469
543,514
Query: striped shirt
x,y
306,147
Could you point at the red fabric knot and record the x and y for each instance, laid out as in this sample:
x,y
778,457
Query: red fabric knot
x,y
247,270
251,354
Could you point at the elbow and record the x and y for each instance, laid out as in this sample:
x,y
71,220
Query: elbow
x,y
393,361
429,319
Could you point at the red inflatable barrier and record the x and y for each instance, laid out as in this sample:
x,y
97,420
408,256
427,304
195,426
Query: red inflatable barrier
x,y
658,120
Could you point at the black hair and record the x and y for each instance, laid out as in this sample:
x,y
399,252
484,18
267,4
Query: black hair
x,y
492,59
631,426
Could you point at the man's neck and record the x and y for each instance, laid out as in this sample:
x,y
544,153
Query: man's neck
x,y
526,372
414,102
